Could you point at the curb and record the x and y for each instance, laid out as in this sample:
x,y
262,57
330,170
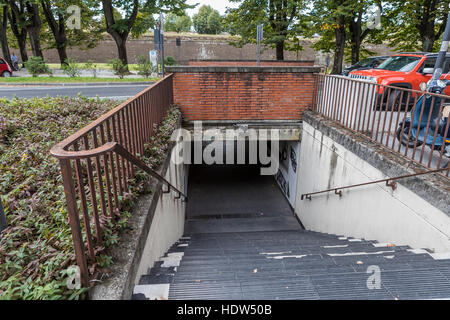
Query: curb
x,y
88,84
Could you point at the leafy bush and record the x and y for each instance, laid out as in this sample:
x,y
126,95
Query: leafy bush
x,y
120,69
36,250
71,68
144,67
37,66
90,65
170,61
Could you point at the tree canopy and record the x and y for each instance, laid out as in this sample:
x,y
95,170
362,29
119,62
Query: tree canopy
x,y
208,21
178,23
282,20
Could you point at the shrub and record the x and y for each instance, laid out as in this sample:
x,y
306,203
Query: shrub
x,y
36,250
70,68
37,66
145,68
90,65
120,69
170,61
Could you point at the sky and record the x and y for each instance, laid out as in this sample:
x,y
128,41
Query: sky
x,y
219,5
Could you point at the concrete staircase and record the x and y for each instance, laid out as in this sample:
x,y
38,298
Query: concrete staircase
x,y
292,264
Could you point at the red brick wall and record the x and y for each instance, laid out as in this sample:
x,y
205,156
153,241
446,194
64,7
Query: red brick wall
x,y
249,63
243,96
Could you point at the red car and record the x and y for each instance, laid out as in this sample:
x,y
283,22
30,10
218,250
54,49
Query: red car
x,y
405,70
5,69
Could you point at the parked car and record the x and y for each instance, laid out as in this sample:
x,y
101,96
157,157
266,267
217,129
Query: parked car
x,y
365,64
404,70
5,69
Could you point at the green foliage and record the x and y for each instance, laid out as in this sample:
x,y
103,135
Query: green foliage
x,y
120,69
170,61
37,66
282,20
208,21
88,36
144,22
71,68
175,23
145,67
414,25
90,65
37,249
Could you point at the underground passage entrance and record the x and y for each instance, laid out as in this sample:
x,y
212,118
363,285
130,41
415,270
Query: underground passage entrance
x,y
235,198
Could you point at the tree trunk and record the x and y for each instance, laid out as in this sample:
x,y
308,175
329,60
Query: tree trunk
x,y
3,37
58,28
22,40
34,29
356,51
280,51
339,48
16,20
122,48
119,37
62,52
428,42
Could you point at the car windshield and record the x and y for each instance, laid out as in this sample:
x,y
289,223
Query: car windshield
x,y
400,63
363,63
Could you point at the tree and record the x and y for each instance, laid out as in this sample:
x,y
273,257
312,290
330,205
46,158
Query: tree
x,y
207,21
415,24
33,25
359,29
121,28
17,21
282,21
3,33
341,23
175,23
57,15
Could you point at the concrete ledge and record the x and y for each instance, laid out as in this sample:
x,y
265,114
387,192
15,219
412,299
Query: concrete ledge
x,y
433,188
262,69
127,254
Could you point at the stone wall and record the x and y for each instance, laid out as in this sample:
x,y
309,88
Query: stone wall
x,y
193,47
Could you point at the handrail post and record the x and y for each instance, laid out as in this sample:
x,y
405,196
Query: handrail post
x,y
74,220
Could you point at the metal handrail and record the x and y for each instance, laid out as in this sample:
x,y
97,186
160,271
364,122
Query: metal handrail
x,y
391,182
117,148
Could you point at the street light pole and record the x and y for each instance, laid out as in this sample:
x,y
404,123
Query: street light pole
x,y
438,68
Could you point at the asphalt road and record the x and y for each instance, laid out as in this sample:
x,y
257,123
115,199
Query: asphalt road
x,y
118,92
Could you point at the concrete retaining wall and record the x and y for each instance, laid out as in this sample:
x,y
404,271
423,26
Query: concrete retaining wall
x,y
157,222
416,214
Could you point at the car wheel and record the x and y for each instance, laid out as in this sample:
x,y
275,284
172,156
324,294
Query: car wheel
x,y
6,74
402,135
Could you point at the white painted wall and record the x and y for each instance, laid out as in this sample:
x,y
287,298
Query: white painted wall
x,y
374,212
168,222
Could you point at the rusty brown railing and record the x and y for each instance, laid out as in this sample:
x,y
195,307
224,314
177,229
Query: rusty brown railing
x,y
390,182
98,162
378,111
